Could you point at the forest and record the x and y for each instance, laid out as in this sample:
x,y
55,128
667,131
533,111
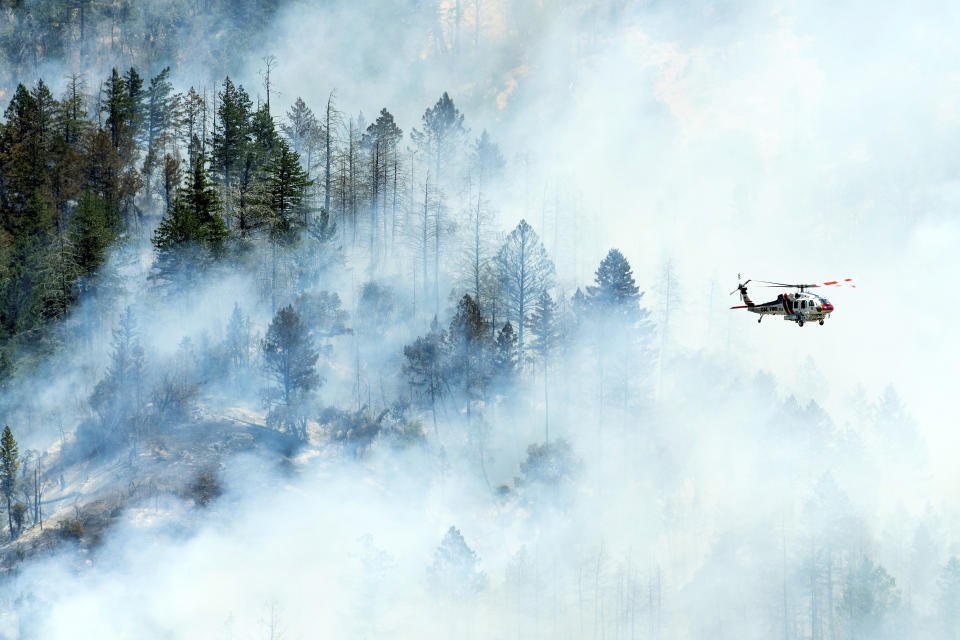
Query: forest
x,y
341,377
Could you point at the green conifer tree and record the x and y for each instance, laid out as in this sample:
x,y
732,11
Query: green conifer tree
x,y
9,464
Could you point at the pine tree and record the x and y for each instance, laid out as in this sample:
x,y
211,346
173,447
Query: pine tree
x,y
286,193
123,103
9,464
467,357
72,117
193,230
615,291
455,570
136,109
545,327
870,594
505,355
232,132
380,139
486,160
441,135
21,157
325,311
549,464
949,600
6,369
289,355
90,233
424,368
486,163
172,176
118,397
263,139
618,327
526,271
189,123
237,338
160,114
301,130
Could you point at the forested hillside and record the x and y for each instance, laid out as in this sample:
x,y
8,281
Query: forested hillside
x,y
272,366
91,34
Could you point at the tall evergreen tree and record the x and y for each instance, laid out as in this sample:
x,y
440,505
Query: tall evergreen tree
x,y
468,351
486,160
441,135
380,139
455,570
161,106
192,232
618,327
263,139
615,291
526,271
91,232
9,464
22,157
289,355
231,134
423,367
286,193
6,369
301,129
545,327
237,341
949,599
505,354
870,595
118,397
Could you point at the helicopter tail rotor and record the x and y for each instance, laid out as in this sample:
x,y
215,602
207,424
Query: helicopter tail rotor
x,y
742,288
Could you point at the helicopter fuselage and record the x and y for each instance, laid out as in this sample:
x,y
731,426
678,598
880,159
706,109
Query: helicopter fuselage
x,y
798,307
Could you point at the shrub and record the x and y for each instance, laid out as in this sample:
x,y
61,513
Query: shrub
x,y
70,529
205,488
18,513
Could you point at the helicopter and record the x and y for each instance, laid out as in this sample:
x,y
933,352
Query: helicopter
x,y
799,307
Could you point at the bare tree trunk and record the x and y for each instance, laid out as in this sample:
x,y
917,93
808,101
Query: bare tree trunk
x,y
476,253
375,162
426,246
393,221
546,402
326,173
830,594
436,260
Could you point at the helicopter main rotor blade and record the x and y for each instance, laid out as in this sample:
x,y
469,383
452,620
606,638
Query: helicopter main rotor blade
x,y
846,282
